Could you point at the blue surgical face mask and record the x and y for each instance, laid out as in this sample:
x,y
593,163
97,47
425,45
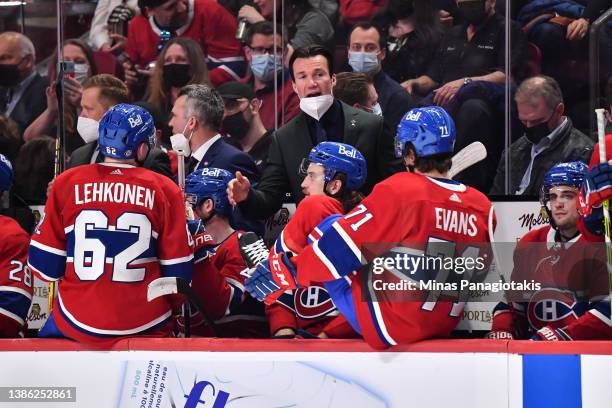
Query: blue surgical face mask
x,y
265,65
363,61
377,110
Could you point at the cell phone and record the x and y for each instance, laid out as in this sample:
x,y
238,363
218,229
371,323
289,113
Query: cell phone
x,y
67,67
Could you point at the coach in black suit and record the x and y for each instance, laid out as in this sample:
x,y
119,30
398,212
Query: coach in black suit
x,y
22,90
197,113
323,118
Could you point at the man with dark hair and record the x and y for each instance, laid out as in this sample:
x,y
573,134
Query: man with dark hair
x,y
323,118
357,90
367,50
100,93
266,66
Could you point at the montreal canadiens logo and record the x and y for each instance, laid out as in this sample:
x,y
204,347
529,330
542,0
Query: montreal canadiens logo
x,y
313,302
552,307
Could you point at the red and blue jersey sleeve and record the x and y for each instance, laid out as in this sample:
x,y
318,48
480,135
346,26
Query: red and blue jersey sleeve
x,y
47,252
15,278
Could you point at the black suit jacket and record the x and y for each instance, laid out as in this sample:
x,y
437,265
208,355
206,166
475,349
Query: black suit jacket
x,y
222,155
32,103
292,142
157,160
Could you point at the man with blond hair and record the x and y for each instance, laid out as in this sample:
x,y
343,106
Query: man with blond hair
x,y
22,89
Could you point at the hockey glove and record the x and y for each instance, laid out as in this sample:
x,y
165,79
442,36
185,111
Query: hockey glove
x,y
499,335
596,188
271,278
547,333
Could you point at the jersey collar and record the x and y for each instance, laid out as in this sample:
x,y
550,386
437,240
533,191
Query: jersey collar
x,y
448,184
179,31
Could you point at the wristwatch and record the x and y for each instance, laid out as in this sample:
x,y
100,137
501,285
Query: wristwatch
x,y
467,80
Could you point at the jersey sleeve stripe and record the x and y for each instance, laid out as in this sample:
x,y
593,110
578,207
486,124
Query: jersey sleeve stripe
x,y
349,242
15,303
97,332
602,316
330,266
176,261
379,324
53,265
41,275
12,316
47,248
16,290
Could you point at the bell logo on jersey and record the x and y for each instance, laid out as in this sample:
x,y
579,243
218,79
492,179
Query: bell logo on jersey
x,y
413,116
135,121
313,302
552,307
352,153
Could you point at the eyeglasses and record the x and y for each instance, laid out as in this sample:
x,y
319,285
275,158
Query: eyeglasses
x,y
262,50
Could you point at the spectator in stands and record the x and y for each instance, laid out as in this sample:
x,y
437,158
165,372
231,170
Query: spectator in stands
x,y
10,139
467,78
413,36
100,93
356,89
22,89
79,53
366,53
265,64
107,36
34,170
204,21
559,28
179,63
353,12
242,122
322,119
307,25
549,138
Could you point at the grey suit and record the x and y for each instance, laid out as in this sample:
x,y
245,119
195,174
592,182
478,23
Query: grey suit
x,y
156,161
292,142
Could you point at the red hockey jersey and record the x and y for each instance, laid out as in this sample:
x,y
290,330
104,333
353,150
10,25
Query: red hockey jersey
x,y
217,281
108,231
311,308
209,24
405,208
15,278
574,290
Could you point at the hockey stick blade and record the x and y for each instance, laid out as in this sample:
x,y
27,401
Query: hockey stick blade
x,y
466,157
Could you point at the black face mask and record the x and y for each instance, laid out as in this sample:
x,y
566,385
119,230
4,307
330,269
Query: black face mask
x,y
235,125
537,132
9,75
177,75
473,11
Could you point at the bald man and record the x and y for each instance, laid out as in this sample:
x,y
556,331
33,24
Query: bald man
x,y
22,90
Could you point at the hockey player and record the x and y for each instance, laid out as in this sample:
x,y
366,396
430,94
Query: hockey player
x,y
571,304
333,174
219,283
109,230
15,277
421,207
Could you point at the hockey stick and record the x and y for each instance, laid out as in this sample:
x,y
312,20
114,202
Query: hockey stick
x,y
601,135
172,285
466,157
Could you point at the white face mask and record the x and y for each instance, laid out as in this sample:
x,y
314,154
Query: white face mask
x,y
376,109
316,106
180,143
81,72
88,129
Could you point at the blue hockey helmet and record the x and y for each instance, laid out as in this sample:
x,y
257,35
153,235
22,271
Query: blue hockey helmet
x,y
6,174
565,174
431,131
338,158
209,182
123,128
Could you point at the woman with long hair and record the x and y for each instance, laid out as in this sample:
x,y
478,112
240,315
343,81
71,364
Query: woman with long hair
x,y
181,62
81,55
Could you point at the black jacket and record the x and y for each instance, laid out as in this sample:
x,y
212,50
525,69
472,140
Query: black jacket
x,y
32,103
156,161
292,143
393,99
570,145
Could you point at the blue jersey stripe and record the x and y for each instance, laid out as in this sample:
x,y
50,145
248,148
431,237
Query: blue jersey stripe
x,y
52,265
179,270
551,380
15,303
338,252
